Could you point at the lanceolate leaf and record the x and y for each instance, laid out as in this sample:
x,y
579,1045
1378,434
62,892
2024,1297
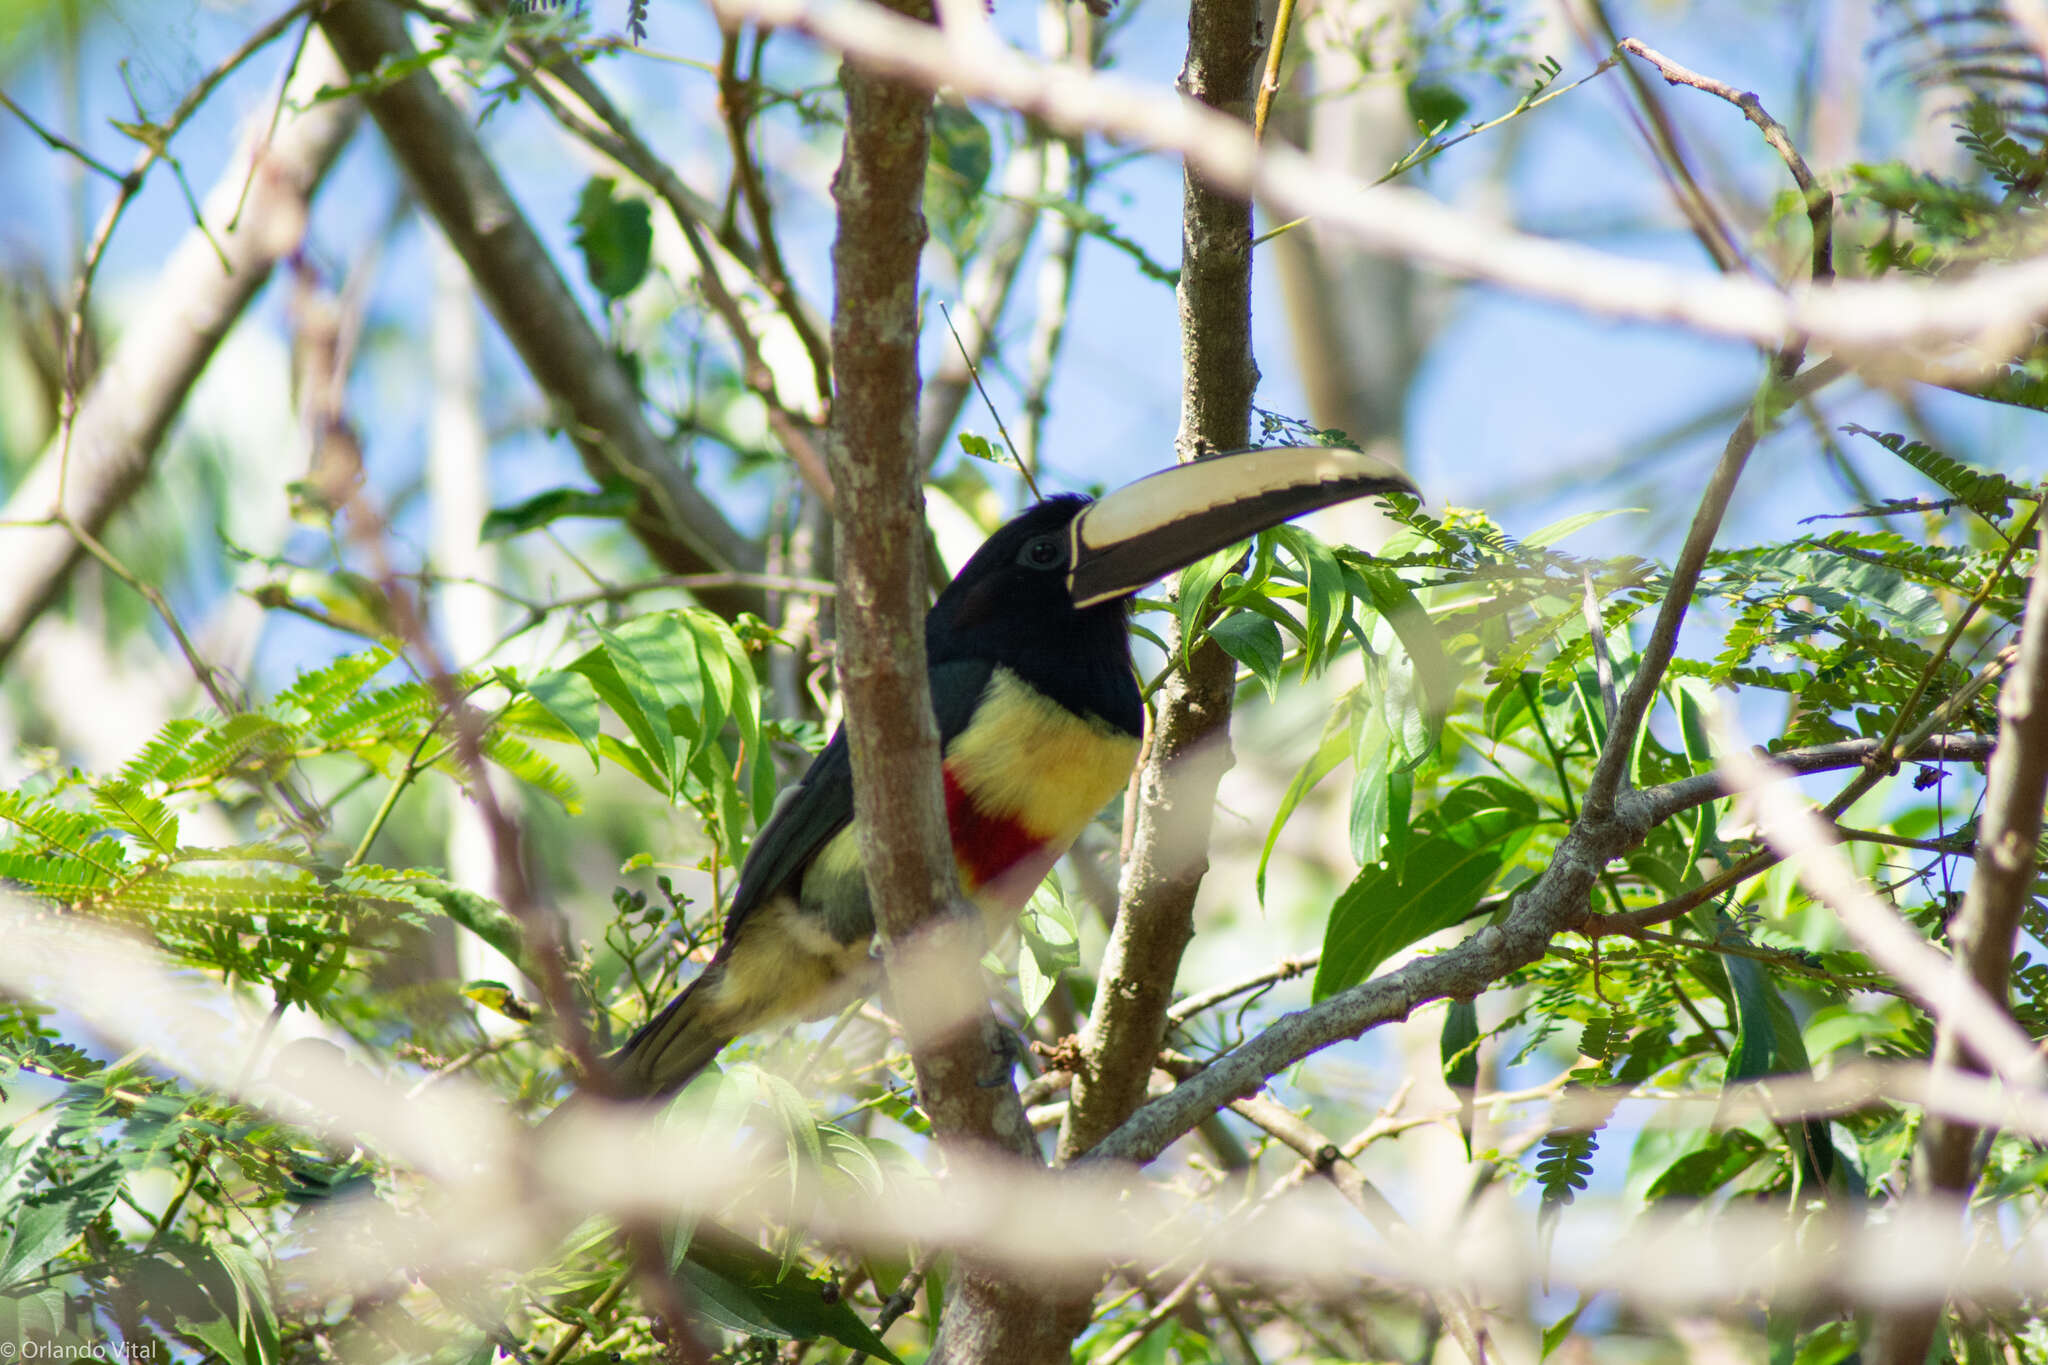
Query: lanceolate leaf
x,y
571,698
613,500
623,683
1454,854
741,1287
1395,601
1335,744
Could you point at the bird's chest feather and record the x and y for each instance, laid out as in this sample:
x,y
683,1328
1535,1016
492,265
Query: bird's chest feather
x,y
1022,781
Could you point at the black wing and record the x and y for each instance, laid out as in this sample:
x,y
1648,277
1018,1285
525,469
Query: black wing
x,y
821,803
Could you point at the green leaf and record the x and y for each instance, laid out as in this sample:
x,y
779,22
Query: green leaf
x,y
483,917
1985,492
1564,1165
1707,1169
1756,1041
688,680
1558,530
1400,804
1253,641
1372,761
1454,855
739,1286
1395,601
1336,743
961,143
32,1315
1435,106
1196,581
1838,1340
1558,1332
571,698
534,769
613,500
140,815
1507,707
1459,1048
255,1314
623,684
1324,580
49,1223
980,448
616,237
962,154
1050,945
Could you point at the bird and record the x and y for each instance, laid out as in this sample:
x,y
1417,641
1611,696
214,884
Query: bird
x,y
1039,716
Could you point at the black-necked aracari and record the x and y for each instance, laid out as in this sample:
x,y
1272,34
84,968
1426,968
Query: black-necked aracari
x,y
1039,718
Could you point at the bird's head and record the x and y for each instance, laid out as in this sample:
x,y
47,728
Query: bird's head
x,y
1062,572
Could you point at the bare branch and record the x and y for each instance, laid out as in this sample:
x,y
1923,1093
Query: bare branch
x,y
196,298
1820,204
453,177
1983,309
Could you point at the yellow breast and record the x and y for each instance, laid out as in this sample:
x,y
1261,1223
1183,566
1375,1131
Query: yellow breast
x,y
1026,758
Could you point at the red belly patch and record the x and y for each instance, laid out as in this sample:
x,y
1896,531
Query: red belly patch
x,y
995,853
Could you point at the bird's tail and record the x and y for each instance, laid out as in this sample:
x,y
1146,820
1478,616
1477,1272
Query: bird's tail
x,y
673,1046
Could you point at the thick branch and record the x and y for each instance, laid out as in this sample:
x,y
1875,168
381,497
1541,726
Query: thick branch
x,y
1983,932
453,177
195,299
1553,904
1190,743
931,949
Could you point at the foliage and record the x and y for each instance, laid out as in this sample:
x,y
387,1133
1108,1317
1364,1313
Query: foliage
x,y
1461,674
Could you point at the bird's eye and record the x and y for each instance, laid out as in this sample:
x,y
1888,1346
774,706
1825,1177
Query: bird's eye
x,y
1042,553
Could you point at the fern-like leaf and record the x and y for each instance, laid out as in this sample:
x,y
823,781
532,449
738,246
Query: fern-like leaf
x,y
314,697
1986,493
533,768
139,815
1564,1164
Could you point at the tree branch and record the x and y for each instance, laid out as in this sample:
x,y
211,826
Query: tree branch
x,y
196,298
448,169
931,948
1861,316
1983,932
1189,747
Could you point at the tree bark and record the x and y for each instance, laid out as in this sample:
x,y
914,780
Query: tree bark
x,y
1190,745
931,945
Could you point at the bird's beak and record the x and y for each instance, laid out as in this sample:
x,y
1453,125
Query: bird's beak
x,y
1167,521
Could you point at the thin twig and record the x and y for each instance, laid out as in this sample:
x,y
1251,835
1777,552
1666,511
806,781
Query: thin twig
x,y
975,371
1820,202
1955,632
1269,82
1160,1312
1284,970
57,142
901,1301
1611,771
736,103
